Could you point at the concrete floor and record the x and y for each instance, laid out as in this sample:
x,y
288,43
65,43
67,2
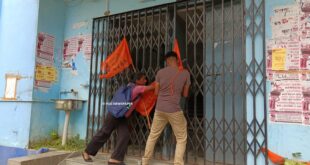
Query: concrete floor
x,y
102,159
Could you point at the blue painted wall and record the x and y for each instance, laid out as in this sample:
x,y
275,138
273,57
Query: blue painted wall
x,y
17,54
84,11
0,10
285,139
44,117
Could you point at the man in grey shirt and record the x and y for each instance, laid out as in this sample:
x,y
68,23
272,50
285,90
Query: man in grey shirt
x,y
171,84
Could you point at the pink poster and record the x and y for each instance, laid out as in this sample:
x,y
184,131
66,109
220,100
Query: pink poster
x,y
70,48
87,46
286,96
306,119
45,49
286,117
305,54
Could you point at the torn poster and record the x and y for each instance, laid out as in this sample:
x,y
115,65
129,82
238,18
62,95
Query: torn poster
x,y
45,49
70,48
87,46
74,45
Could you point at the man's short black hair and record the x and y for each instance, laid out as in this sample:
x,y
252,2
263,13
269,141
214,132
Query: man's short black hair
x,y
171,54
137,76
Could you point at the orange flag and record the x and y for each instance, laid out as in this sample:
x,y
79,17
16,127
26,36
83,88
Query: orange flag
x,y
146,102
177,51
275,158
116,62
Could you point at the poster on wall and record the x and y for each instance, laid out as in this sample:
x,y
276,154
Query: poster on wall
x,y
77,44
87,46
290,95
283,55
70,48
286,117
278,59
45,49
286,96
73,47
45,73
284,22
305,54
288,64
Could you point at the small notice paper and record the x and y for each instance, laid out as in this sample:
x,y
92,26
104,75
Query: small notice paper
x,y
10,89
278,59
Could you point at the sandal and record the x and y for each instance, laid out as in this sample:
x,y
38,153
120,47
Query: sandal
x,y
89,159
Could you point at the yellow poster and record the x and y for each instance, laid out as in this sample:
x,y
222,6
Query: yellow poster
x,y
46,73
278,59
50,74
39,73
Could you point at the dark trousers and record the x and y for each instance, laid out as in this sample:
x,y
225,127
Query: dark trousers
x,y
111,123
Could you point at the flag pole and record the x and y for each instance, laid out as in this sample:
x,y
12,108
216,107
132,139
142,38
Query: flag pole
x,y
147,116
133,67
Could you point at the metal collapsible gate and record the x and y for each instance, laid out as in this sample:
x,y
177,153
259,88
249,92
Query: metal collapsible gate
x,y
218,42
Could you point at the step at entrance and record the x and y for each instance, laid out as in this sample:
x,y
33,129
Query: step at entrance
x,y
102,159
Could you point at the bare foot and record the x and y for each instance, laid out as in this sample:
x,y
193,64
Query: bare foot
x,y
86,157
114,161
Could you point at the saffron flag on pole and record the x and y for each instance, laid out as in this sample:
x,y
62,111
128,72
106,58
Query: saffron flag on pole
x,y
146,102
116,62
177,51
